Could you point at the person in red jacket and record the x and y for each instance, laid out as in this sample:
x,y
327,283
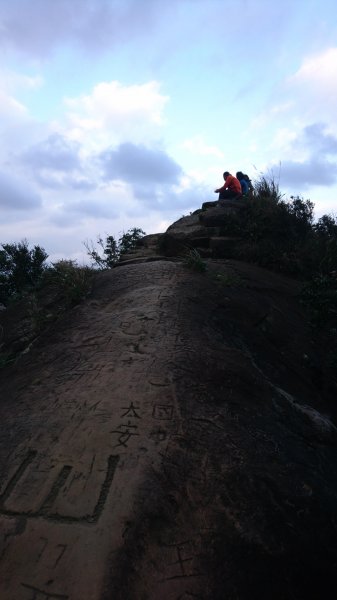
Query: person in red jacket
x,y
231,187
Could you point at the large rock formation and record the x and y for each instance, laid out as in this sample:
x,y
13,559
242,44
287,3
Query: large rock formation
x,y
206,230
171,438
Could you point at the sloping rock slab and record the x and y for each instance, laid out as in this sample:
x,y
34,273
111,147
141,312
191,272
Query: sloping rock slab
x,y
141,259
166,441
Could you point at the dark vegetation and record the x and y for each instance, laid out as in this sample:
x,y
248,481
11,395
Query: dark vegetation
x,y
192,260
283,236
20,269
276,234
108,252
24,271
34,293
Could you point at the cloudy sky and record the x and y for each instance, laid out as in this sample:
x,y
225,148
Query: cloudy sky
x,y
125,113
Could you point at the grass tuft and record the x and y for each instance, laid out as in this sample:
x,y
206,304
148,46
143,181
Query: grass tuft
x,y
193,261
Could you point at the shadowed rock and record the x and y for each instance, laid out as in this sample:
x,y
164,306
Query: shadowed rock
x,y
203,230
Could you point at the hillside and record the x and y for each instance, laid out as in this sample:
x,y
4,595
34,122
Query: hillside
x,y
172,437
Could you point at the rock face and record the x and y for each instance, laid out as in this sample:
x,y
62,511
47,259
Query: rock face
x,y
204,230
169,439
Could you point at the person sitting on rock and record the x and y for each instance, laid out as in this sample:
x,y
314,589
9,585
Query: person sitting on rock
x,y
243,182
231,188
242,177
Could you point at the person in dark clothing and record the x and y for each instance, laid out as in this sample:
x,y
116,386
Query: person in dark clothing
x,y
243,182
231,188
246,184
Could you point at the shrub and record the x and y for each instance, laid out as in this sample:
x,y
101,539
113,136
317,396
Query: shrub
x,y
326,227
302,213
72,282
129,240
21,269
325,233
280,234
267,189
193,260
109,250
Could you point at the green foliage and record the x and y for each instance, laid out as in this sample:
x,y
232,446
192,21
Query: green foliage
x,y
73,283
128,241
61,286
109,251
275,219
267,189
325,247
280,234
302,212
106,256
21,269
193,260
326,227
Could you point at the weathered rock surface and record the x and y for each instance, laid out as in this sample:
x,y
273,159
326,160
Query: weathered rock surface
x,y
168,439
147,250
199,229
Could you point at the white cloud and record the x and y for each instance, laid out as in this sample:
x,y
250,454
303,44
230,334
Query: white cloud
x,y
299,130
314,87
270,114
113,112
307,95
319,72
284,137
87,155
197,145
311,158
112,100
10,107
17,127
69,153
11,81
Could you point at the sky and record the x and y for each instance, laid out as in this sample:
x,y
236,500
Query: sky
x,y
125,113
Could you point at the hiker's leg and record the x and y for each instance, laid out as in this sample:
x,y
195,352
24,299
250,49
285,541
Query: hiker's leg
x,y
227,195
